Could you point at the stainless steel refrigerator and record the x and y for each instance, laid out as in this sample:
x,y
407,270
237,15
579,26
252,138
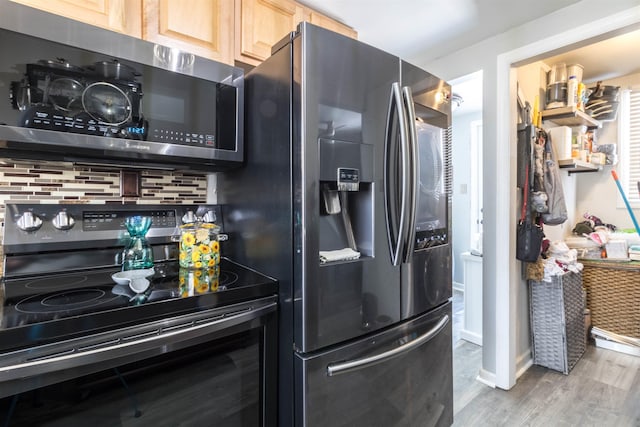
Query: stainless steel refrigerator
x,y
345,198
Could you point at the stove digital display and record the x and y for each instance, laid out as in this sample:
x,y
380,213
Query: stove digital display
x,y
100,221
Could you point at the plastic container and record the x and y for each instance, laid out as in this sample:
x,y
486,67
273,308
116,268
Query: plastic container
x,y
572,91
575,70
558,73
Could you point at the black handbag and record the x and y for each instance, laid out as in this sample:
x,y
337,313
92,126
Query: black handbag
x,y
529,235
529,238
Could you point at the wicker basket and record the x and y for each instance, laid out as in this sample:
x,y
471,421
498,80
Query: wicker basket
x,y
613,296
557,322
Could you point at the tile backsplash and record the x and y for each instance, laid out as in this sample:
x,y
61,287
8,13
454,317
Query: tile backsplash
x,y
59,183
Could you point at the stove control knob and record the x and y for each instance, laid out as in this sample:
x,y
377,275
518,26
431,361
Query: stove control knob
x,y
189,217
63,221
209,216
29,221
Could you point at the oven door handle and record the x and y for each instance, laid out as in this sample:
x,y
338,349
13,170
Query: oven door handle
x,y
122,347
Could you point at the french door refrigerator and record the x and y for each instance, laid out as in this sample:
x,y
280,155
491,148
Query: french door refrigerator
x,y
345,199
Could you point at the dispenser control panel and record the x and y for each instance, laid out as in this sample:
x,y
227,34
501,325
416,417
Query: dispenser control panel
x,y
348,179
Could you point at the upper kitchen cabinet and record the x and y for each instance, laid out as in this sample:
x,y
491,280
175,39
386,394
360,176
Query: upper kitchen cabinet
x,y
123,16
262,23
330,24
202,27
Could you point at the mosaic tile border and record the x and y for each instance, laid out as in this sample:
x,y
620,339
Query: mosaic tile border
x,y
60,183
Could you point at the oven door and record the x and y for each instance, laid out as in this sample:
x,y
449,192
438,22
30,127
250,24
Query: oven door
x,y
212,368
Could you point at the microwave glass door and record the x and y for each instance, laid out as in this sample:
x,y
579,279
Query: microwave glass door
x,y
188,110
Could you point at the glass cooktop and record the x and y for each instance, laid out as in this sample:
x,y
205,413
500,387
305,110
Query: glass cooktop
x,y
37,310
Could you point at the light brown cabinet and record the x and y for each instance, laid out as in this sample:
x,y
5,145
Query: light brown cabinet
x,y
223,30
260,24
330,24
123,16
202,27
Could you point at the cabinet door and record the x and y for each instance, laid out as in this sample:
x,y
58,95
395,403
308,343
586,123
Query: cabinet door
x,y
123,16
262,23
202,27
330,24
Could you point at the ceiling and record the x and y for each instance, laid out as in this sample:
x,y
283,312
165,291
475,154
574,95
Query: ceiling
x,y
606,59
424,30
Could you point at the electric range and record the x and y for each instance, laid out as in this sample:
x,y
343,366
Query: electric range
x,y
63,316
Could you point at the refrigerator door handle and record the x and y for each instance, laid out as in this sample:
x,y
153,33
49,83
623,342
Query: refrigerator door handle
x,y
334,369
412,173
396,227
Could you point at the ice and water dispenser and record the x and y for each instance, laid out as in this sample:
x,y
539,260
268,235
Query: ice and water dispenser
x,y
346,200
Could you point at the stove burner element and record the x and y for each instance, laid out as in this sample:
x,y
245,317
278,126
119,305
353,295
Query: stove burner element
x,y
66,301
62,281
228,278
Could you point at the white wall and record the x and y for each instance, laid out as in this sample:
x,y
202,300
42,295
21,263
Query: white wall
x,y
583,20
461,200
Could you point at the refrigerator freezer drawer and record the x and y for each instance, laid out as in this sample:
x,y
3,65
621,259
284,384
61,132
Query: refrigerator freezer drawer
x,y
399,377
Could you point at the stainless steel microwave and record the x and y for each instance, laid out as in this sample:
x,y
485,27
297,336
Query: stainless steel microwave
x,y
78,93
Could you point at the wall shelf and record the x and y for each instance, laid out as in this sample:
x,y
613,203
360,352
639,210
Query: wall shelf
x,y
570,116
578,166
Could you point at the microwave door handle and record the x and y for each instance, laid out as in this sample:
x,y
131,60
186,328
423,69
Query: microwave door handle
x,y
412,174
395,121
338,368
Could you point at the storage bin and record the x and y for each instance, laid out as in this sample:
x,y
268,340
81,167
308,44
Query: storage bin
x,y
557,322
613,296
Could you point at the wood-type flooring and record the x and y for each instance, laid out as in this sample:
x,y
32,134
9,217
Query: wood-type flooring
x,y
603,389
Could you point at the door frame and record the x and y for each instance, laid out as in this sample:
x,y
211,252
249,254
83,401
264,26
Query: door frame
x,y
506,279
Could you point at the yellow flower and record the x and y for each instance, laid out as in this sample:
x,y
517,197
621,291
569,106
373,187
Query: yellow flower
x,y
202,287
215,246
198,264
204,249
195,256
211,263
183,256
214,285
188,239
198,273
181,280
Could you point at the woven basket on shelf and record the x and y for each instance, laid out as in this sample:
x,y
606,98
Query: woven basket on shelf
x,y
613,296
557,322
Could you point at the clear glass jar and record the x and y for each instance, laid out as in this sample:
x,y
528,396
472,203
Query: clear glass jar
x,y
199,246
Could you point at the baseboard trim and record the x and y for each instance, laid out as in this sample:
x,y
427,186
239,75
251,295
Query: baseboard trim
x,y
487,378
457,286
523,362
471,336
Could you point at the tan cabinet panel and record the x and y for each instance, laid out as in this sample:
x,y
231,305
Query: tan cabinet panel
x,y
262,23
123,16
331,24
202,27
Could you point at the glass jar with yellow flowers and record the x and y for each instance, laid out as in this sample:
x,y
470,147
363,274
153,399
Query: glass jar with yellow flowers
x,y
199,246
